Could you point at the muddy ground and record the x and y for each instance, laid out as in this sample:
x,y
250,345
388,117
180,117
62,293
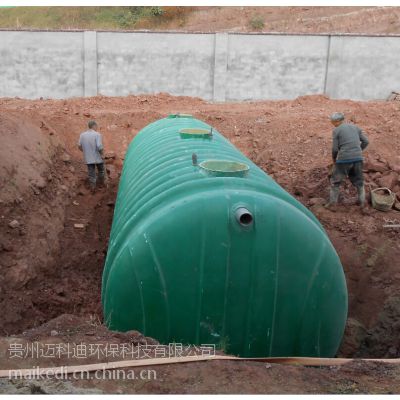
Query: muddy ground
x,y
51,269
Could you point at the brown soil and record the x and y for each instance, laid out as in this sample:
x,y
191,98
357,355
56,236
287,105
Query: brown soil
x,y
360,20
217,376
365,20
50,268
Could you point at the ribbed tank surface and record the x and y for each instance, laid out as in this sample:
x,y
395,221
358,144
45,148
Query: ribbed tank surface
x,y
206,248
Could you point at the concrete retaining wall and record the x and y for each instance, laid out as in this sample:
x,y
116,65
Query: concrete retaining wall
x,y
219,67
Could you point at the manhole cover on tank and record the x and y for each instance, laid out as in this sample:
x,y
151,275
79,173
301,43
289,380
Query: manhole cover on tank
x,y
190,133
224,168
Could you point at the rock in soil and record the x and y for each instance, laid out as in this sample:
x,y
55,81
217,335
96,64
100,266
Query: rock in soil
x,y
14,224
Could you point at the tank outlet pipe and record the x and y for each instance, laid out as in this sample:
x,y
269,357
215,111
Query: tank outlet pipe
x,y
243,216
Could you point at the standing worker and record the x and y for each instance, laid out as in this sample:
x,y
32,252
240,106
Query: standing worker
x,y
90,142
348,143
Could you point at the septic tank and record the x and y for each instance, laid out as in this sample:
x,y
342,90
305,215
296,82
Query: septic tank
x,y
206,248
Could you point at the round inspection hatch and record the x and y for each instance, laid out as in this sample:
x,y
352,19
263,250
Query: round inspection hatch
x,y
224,168
193,133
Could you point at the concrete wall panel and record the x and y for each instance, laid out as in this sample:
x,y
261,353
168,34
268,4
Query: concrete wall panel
x,y
135,63
275,67
363,68
35,64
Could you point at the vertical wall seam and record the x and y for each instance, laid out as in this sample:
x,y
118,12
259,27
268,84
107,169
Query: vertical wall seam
x,y
220,66
83,64
215,66
97,65
328,55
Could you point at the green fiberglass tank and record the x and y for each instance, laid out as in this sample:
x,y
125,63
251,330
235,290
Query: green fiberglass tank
x,y
206,248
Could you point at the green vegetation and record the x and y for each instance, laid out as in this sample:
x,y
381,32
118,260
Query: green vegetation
x,y
91,17
257,22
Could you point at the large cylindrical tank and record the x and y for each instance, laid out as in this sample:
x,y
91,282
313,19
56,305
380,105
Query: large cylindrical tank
x,y
206,248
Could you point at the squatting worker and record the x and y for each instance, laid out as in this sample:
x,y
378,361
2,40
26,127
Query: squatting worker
x,y
90,142
348,143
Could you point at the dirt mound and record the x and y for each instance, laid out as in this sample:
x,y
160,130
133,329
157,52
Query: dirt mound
x,y
38,183
31,207
82,329
25,155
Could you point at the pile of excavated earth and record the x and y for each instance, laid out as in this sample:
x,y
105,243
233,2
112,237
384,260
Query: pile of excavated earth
x,y
54,233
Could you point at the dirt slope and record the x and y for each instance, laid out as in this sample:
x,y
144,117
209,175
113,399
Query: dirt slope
x,y
370,20
377,20
49,267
